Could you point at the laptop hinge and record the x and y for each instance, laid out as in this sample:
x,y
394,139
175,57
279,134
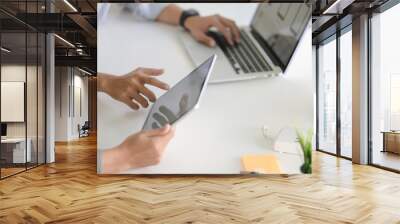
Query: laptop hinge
x,y
267,49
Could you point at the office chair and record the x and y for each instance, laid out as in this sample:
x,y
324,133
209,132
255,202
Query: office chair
x,y
84,130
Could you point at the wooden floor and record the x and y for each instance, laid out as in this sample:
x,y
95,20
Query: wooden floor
x,y
70,191
387,159
10,171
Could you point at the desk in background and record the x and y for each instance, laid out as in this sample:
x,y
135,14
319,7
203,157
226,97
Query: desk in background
x,y
13,150
391,141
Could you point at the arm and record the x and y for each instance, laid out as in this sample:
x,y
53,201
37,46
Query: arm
x,y
102,80
199,25
170,15
139,150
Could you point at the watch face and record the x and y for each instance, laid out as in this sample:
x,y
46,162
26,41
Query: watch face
x,y
192,12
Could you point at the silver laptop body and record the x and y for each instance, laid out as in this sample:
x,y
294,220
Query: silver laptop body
x,y
265,48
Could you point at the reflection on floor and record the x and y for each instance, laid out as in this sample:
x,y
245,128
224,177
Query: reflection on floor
x,y
13,169
387,159
70,191
346,152
10,171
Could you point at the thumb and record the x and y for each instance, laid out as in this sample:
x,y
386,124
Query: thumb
x,y
159,131
203,38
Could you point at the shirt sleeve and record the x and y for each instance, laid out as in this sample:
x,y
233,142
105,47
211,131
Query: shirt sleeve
x,y
102,11
148,11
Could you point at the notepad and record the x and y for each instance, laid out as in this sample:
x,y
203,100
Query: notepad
x,y
262,164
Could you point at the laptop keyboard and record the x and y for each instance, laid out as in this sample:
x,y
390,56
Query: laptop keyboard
x,y
244,56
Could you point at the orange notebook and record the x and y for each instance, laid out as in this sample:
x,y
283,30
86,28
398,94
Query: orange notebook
x,y
262,164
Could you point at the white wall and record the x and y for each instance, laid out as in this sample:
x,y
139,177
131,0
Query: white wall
x,y
67,115
80,83
33,127
12,73
61,103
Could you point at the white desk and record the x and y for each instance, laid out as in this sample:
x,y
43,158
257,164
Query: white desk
x,y
19,153
228,123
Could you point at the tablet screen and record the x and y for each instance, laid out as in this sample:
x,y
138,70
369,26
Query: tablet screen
x,y
180,99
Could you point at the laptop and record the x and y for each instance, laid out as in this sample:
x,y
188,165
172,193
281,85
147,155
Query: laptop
x,y
265,48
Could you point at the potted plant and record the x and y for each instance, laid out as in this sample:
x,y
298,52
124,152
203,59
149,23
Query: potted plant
x,y
305,142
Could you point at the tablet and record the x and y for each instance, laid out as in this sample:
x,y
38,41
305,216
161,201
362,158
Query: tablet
x,y
182,98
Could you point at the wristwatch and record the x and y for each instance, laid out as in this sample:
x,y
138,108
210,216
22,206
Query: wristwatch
x,y
185,15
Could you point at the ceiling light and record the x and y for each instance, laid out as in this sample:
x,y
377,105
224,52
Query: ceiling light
x,y
84,71
331,7
338,6
65,41
70,5
5,50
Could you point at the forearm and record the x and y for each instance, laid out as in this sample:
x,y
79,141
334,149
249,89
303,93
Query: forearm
x,y
170,15
113,160
102,81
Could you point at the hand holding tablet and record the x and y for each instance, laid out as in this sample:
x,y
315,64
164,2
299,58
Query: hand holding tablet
x,y
146,147
181,98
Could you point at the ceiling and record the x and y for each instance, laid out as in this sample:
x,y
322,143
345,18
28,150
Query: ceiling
x,y
329,16
76,22
72,20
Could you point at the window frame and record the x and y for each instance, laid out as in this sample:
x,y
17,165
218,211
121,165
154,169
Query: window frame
x,y
29,29
378,10
334,37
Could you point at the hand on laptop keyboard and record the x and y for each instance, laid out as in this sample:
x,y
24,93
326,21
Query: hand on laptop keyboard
x,y
244,56
199,25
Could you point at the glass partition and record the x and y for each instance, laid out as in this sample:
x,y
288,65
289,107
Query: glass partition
x,y
327,97
41,111
13,94
31,99
385,89
346,94
22,77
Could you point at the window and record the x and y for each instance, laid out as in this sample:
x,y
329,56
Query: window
x,y
22,77
346,93
385,89
327,97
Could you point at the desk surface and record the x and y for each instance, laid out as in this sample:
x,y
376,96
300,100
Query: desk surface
x,y
13,140
228,123
390,132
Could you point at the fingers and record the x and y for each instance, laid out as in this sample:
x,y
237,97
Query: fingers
x,y
203,38
151,71
141,100
158,132
225,30
134,87
131,104
148,93
145,74
162,140
232,27
156,83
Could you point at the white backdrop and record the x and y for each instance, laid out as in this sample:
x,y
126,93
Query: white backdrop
x,y
230,118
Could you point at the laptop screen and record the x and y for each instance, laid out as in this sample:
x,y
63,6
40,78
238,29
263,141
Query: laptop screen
x,y
280,26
